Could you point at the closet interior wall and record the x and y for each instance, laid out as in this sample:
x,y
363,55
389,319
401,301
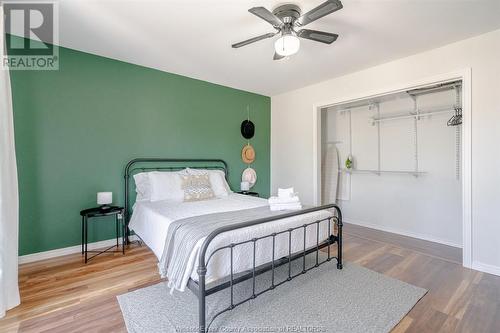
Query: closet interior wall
x,y
406,177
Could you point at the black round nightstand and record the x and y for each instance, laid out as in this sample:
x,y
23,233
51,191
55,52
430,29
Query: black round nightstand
x,y
99,212
253,194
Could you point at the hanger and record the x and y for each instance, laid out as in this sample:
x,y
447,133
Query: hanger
x,y
456,119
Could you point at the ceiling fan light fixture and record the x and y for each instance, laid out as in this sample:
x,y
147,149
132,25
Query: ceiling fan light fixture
x,y
288,17
287,45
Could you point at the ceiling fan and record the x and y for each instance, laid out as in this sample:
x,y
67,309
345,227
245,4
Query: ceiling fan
x,y
285,19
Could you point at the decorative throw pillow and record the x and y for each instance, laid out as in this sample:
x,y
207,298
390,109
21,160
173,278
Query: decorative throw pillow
x,y
197,187
217,180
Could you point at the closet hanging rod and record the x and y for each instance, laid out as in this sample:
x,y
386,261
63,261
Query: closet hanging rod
x,y
435,88
355,106
345,107
398,172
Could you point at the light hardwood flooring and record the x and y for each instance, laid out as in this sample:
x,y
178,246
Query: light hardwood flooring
x,y
65,295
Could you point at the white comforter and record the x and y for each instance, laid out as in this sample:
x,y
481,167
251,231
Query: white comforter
x,y
150,221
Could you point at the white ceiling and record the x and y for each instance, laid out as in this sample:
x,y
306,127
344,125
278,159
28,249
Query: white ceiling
x,y
194,37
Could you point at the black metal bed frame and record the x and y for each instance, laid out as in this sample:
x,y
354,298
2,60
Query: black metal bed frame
x,y
199,288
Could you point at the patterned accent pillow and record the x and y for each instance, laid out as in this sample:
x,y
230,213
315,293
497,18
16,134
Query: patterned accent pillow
x,y
197,187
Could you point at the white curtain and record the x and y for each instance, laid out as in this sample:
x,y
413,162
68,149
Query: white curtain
x,y
9,202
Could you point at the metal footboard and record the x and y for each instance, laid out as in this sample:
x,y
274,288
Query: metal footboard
x,y
200,288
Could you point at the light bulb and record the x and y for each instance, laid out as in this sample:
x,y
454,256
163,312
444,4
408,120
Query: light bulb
x,y
287,45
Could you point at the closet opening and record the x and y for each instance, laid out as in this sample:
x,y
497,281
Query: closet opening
x,y
394,162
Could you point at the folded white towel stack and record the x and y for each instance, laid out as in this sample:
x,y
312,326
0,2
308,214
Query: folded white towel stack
x,y
286,193
279,201
287,199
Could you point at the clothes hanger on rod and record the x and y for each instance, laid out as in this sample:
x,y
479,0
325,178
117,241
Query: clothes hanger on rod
x,y
456,119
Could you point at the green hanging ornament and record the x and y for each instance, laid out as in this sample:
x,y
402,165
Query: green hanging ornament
x,y
348,162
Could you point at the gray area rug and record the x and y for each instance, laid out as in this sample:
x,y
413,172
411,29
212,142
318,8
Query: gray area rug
x,y
354,299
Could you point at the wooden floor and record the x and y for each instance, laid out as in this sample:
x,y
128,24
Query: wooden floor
x,y
445,252
65,295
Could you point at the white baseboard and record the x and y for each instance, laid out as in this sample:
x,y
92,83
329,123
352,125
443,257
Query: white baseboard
x,y
68,250
486,268
478,266
402,232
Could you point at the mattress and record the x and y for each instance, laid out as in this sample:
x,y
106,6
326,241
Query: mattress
x,y
150,221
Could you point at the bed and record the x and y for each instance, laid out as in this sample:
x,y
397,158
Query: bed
x,y
211,245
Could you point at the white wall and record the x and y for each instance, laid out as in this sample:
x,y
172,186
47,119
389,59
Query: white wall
x,y
427,207
292,127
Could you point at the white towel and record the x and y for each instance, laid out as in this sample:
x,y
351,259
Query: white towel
x,y
287,199
285,192
290,206
330,175
280,200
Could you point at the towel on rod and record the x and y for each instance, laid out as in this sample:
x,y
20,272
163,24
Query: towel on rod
x,y
330,174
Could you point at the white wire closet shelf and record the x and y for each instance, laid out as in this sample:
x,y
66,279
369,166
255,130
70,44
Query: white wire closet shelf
x,y
415,115
345,107
378,172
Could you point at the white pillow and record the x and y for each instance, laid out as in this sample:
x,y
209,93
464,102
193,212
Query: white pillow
x,y
166,186
217,180
219,184
142,187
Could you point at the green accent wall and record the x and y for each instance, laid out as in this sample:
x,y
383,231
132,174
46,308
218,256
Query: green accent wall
x,y
76,128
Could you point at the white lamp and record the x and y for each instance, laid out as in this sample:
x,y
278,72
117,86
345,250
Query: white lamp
x,y
245,186
104,199
287,44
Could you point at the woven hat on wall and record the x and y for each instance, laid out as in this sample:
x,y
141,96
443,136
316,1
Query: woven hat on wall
x,y
248,154
249,175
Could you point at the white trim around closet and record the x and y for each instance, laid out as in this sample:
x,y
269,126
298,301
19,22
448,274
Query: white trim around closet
x,y
465,76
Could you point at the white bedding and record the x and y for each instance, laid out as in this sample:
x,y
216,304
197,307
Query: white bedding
x,y
150,221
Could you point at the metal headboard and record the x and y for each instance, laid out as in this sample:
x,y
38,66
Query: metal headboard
x,y
168,164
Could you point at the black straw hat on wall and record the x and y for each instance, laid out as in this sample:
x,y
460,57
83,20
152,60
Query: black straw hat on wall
x,y
247,129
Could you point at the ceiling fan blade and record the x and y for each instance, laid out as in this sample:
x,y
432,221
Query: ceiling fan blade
x,y
253,40
318,36
277,56
324,9
267,16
